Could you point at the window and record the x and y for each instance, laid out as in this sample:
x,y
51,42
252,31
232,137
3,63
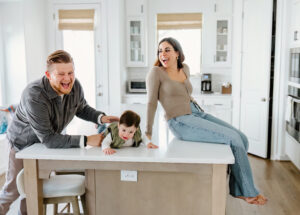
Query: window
x,y
77,27
187,29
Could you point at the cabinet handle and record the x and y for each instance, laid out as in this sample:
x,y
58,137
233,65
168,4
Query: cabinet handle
x,y
214,58
219,104
142,8
295,35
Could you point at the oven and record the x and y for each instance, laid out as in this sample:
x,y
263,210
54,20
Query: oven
x,y
294,73
293,113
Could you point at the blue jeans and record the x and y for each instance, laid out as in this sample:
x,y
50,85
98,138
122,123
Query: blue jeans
x,y
203,127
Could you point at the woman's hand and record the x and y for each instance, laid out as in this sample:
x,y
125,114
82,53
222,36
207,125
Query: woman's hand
x,y
151,146
109,119
109,151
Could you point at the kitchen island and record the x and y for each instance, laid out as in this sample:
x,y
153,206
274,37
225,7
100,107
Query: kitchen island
x,y
180,177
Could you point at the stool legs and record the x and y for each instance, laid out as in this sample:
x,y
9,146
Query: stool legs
x,y
82,198
75,206
55,209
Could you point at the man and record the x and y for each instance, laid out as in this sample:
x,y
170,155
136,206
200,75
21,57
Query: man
x,y
46,108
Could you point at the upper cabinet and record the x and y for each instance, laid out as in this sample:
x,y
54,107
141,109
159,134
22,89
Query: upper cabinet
x,y
223,42
136,19
218,35
295,24
223,7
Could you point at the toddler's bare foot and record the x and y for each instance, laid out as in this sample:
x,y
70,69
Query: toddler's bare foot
x,y
257,200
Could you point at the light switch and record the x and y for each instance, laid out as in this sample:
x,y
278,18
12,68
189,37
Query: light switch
x,y
127,175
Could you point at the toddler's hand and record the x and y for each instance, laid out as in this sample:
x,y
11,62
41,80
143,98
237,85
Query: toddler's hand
x,y
109,151
151,146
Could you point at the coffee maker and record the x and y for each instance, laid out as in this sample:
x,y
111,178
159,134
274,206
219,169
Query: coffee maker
x,y
206,83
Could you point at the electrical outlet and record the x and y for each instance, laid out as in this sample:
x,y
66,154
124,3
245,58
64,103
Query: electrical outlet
x,y
127,175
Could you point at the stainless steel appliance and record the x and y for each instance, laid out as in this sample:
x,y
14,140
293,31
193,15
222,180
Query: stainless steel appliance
x,y
294,75
206,83
136,86
293,113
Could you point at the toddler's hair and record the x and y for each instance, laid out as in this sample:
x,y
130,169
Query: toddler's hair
x,y
130,118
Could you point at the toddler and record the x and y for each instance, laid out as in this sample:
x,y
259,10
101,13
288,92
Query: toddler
x,y
125,133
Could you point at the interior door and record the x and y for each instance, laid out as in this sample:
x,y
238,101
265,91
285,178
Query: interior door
x,y
87,47
255,77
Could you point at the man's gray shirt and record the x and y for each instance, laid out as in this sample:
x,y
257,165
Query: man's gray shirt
x,y
42,115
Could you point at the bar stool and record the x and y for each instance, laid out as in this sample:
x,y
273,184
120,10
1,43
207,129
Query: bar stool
x,y
59,189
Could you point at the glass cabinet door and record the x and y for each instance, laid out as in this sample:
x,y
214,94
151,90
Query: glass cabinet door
x,y
135,41
222,42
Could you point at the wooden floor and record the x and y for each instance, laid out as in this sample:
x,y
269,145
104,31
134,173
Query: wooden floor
x,y
278,181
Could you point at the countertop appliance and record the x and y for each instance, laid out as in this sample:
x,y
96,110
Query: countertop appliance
x,y
294,75
206,83
136,86
293,113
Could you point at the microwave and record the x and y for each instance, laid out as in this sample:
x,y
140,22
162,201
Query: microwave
x,y
137,86
294,74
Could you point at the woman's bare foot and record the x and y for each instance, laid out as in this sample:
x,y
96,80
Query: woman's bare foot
x,y
257,200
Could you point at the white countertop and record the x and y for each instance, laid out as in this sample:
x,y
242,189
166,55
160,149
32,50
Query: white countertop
x,y
176,151
171,150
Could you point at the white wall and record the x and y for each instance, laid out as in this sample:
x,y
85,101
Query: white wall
x,y
35,38
23,46
116,51
13,51
236,61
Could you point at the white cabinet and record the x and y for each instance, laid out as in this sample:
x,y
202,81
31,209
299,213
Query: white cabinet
x,y
135,7
292,148
223,7
135,98
218,106
217,34
295,24
136,33
223,42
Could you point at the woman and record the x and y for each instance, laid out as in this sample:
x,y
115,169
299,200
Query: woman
x,y
169,83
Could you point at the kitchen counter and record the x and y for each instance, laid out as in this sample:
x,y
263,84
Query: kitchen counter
x,y
141,98
164,176
177,151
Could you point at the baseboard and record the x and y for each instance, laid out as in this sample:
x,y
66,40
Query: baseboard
x,y
284,158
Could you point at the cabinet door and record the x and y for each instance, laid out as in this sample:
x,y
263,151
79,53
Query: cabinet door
x,y
295,24
223,42
135,7
136,42
223,7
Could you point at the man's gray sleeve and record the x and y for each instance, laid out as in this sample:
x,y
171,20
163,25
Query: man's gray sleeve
x,y
37,113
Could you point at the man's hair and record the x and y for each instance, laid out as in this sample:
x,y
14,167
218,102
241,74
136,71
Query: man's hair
x,y
130,118
59,56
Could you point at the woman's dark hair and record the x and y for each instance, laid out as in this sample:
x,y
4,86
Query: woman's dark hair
x,y
176,46
130,118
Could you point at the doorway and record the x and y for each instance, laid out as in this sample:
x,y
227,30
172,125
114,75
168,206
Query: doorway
x,y
79,30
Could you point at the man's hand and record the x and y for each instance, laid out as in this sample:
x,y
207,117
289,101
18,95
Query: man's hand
x,y
109,119
151,146
94,140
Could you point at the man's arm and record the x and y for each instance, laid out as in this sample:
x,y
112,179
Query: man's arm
x,y
38,116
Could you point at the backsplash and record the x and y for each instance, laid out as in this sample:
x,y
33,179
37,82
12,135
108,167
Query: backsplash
x,y
217,79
